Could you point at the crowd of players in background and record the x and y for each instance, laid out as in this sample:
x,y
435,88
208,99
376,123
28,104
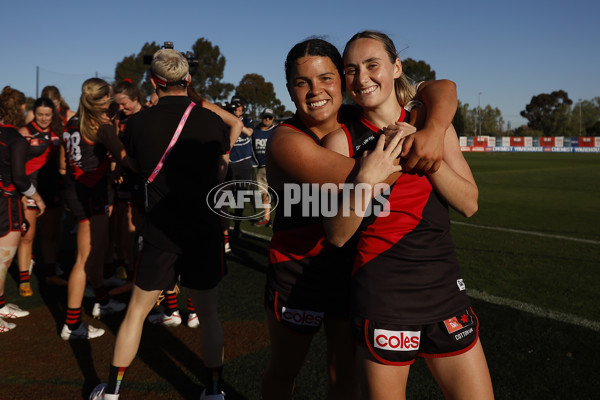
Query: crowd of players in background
x,y
45,128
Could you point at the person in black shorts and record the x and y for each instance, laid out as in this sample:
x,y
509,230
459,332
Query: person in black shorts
x,y
409,297
14,184
88,140
42,169
308,280
174,237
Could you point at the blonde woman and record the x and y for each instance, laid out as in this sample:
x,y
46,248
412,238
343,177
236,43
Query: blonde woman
x,y
87,140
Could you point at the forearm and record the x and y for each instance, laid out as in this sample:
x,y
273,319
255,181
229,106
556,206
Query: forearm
x,y
440,100
352,203
459,192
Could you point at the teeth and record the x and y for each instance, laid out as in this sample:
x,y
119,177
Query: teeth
x,y
318,103
367,90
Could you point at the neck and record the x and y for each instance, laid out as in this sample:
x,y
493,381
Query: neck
x,y
322,129
384,114
173,92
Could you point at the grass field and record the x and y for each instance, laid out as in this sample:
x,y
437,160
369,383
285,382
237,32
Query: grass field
x,y
536,295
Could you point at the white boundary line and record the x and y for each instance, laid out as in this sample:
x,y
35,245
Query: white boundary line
x,y
535,310
496,228
517,305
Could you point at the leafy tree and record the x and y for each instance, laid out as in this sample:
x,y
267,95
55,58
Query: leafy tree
x,y
487,118
260,94
136,67
550,113
209,72
417,70
585,117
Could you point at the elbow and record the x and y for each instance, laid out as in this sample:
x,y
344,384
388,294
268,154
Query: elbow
x,y
334,238
471,210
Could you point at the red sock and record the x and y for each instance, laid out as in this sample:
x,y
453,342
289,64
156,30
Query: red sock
x,y
24,276
190,306
73,316
170,302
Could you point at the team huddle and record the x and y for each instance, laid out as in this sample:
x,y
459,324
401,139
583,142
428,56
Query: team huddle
x,y
386,287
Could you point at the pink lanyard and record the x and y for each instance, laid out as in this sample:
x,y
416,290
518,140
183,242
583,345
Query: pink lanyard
x,y
173,141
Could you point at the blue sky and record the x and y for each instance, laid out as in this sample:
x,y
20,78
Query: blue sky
x,y
509,50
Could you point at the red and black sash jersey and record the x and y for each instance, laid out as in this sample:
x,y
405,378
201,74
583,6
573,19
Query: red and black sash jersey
x,y
13,150
406,269
42,146
87,162
300,256
62,113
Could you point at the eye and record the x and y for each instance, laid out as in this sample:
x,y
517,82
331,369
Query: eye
x,y
350,70
300,82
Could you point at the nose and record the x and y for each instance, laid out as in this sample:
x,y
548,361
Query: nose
x,y
315,88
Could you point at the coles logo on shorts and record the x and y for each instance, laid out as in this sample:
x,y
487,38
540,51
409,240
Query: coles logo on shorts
x,y
302,317
397,340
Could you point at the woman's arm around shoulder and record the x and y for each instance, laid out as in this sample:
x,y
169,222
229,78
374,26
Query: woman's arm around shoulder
x,y
454,180
235,125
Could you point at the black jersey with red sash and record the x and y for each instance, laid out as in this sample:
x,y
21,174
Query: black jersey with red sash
x,y
88,162
13,150
300,258
42,146
406,269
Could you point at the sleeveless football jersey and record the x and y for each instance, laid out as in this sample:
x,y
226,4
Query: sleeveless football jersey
x,y
87,161
42,146
406,270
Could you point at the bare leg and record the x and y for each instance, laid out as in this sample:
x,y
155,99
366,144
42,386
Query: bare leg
x,y
340,359
379,381
465,376
26,244
211,341
288,351
130,332
8,248
78,277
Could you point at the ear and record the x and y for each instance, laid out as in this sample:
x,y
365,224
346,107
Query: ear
x,y
397,68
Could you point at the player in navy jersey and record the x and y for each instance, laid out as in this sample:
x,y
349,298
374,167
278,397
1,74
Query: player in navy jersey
x,y
259,145
14,184
409,297
307,278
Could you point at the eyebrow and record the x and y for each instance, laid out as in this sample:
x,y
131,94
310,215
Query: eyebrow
x,y
363,62
318,76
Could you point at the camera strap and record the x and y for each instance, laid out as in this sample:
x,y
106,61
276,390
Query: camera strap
x,y
172,143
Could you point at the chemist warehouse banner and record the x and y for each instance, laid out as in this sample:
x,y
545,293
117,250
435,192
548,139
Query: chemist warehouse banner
x,y
549,144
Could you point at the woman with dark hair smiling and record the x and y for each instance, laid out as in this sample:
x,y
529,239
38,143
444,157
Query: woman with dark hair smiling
x,y
308,280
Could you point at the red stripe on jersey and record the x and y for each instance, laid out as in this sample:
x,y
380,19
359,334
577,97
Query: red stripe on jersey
x,y
349,139
375,129
297,244
406,203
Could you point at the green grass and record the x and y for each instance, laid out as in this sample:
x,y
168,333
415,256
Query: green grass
x,y
529,356
554,194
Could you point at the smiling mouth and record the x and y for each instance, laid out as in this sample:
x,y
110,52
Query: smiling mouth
x,y
317,104
368,90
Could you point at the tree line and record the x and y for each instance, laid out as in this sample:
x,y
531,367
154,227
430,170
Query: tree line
x,y
553,114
